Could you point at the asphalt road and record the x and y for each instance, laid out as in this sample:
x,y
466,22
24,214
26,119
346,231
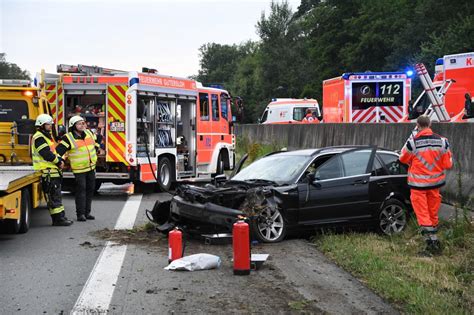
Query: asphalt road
x,y
55,270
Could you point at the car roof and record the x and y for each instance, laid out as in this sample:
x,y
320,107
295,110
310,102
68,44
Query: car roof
x,y
328,150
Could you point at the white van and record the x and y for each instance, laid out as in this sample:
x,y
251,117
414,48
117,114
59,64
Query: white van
x,y
289,110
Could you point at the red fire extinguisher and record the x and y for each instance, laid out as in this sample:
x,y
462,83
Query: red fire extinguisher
x,y
175,244
241,245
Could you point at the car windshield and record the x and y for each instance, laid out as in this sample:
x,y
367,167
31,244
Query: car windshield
x,y
281,169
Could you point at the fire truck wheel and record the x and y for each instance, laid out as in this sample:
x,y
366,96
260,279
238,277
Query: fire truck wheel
x,y
165,174
220,165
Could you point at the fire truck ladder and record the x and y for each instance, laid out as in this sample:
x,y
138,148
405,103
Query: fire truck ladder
x,y
436,109
86,70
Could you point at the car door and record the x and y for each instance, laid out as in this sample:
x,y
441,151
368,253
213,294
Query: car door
x,y
398,173
380,185
340,191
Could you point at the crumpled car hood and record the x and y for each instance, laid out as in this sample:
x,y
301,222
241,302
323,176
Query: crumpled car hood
x,y
247,198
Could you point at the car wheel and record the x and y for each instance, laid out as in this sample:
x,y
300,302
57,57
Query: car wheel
x,y
392,218
269,226
165,174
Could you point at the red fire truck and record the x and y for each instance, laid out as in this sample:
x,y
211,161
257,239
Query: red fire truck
x,y
366,97
151,127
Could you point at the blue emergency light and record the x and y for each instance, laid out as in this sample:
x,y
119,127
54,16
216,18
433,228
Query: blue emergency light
x,y
373,75
217,86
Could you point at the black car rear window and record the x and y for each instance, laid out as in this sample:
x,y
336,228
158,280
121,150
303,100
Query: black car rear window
x,y
11,110
392,164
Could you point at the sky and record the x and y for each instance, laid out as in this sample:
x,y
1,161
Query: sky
x,y
126,35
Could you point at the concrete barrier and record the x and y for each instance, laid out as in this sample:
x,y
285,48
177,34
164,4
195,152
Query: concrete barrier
x,y
390,136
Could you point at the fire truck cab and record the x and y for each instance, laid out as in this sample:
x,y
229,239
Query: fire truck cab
x,y
151,128
366,97
289,110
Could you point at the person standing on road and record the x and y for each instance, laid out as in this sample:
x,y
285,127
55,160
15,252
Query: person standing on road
x,y
81,145
428,156
46,159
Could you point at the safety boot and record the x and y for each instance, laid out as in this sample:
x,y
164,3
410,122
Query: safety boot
x,y
90,217
81,218
434,247
426,251
63,215
59,220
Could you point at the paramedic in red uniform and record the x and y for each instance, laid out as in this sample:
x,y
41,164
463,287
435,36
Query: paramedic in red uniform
x,y
309,116
428,156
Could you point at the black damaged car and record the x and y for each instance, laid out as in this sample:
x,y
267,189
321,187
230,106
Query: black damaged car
x,y
299,189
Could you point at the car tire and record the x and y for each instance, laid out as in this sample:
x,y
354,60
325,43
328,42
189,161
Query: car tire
x,y
269,226
22,224
392,217
165,174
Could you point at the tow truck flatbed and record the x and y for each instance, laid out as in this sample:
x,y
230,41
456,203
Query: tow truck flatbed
x,y
15,177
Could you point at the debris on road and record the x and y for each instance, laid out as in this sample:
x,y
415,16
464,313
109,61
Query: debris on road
x,y
145,235
195,262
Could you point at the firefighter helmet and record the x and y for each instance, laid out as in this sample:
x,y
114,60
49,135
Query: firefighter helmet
x,y
74,120
43,119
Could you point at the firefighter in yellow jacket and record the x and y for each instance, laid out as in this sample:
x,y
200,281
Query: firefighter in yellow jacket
x,y
46,159
81,145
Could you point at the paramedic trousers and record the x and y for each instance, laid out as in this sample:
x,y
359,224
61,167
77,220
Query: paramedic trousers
x,y
85,187
426,205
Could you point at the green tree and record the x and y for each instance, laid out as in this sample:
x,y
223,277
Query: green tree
x,y
457,38
218,62
248,84
283,54
10,70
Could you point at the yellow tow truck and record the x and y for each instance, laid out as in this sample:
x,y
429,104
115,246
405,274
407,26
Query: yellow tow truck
x,y
20,185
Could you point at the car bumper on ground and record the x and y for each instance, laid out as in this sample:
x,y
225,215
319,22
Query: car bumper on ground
x,y
208,212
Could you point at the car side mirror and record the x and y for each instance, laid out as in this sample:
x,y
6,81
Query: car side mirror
x,y
314,180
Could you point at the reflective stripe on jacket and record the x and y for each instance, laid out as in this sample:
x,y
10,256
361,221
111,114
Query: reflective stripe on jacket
x,y
82,154
428,156
39,163
308,118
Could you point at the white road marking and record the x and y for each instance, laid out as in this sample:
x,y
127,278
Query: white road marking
x,y
97,293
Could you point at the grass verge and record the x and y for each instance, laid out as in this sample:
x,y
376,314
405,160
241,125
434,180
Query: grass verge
x,y
391,267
